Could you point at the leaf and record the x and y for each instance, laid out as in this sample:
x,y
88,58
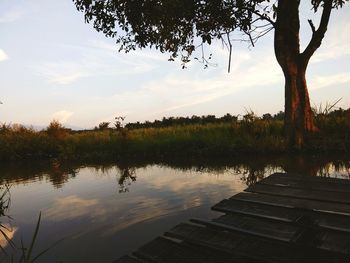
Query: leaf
x,y
34,238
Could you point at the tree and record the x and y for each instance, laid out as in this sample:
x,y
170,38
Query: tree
x,y
175,26
103,125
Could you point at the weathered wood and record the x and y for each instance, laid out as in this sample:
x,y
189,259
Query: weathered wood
x,y
284,214
283,218
253,226
334,241
307,183
292,202
337,197
235,243
247,207
328,180
254,247
163,250
308,234
127,259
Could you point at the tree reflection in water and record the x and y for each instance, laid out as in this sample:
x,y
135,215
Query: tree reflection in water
x,y
127,175
251,169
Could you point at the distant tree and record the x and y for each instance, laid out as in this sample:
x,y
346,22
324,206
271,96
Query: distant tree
x,y
228,117
175,25
103,125
279,116
119,125
267,117
56,130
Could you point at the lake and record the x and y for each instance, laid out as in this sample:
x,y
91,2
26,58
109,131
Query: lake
x,y
99,212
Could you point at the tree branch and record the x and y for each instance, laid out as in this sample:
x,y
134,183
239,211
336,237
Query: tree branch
x,y
255,12
262,17
318,35
312,26
230,55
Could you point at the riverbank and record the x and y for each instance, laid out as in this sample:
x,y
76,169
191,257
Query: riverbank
x,y
203,140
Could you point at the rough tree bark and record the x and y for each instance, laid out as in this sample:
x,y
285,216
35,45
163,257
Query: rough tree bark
x,y
299,121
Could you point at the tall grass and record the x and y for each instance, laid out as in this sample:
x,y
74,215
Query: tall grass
x,y
251,134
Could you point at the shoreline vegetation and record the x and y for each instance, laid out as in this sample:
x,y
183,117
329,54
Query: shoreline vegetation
x,y
185,137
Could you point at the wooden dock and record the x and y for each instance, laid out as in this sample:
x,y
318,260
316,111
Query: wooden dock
x,y
283,218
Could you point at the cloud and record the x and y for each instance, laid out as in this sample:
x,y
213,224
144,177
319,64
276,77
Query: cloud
x,y
336,44
71,207
62,116
139,54
172,93
68,72
319,82
3,55
11,15
62,73
183,92
184,187
97,59
9,232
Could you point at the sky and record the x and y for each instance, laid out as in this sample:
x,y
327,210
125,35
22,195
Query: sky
x,y
54,66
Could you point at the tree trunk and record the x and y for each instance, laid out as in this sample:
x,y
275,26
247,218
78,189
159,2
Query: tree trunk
x,y
298,114
299,121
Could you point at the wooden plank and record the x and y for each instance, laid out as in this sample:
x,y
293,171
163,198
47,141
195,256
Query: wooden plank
x,y
163,250
284,214
240,244
321,238
338,197
329,180
126,259
334,241
291,202
253,226
254,247
257,209
284,218
307,182
331,221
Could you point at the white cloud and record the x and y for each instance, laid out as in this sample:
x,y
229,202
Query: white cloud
x,y
112,49
91,62
11,15
3,55
66,78
319,82
62,116
62,73
336,44
183,92
176,93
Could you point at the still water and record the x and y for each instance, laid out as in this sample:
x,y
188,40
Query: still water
x,y
101,212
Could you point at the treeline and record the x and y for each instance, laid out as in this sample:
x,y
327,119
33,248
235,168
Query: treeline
x,y
205,119
212,119
184,137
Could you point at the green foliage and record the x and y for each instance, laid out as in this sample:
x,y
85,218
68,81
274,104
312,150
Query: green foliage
x,y
206,136
56,130
180,26
334,130
169,26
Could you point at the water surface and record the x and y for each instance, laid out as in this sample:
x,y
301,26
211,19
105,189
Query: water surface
x,y
101,212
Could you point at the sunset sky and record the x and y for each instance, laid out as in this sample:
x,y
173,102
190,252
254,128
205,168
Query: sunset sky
x,y
54,66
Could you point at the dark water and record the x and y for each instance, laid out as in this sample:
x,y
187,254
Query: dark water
x,y
104,211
